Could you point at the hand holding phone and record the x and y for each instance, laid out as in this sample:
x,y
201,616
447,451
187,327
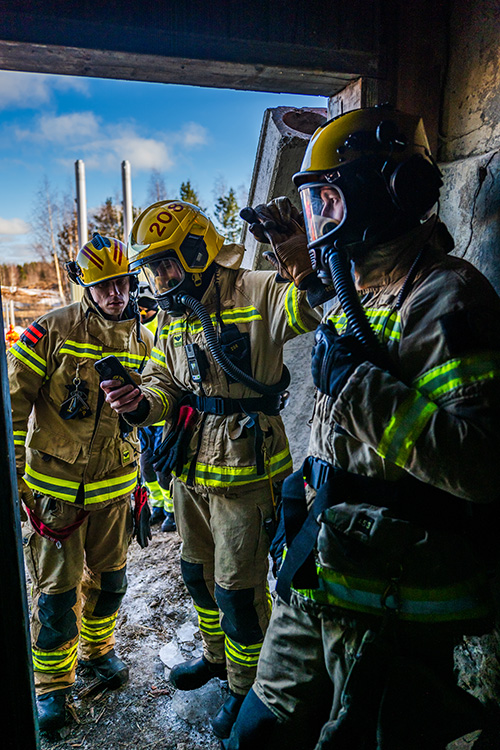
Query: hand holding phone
x,y
110,368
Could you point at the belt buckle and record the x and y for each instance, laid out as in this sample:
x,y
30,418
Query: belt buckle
x,y
218,405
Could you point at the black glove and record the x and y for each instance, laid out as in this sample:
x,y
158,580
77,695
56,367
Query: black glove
x,y
171,454
142,515
334,359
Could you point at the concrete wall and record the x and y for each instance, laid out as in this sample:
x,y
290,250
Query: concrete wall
x,y
470,135
469,158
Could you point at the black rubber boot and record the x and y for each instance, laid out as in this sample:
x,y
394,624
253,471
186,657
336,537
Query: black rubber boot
x,y
51,709
169,523
109,669
195,673
224,719
255,727
157,515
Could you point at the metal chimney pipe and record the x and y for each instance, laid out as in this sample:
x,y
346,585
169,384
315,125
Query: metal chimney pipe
x,y
81,203
127,199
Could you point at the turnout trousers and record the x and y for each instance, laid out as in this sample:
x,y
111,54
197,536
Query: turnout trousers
x,y
78,585
224,561
306,663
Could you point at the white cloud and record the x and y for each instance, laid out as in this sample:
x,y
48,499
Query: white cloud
x,y
193,134
14,226
31,90
62,129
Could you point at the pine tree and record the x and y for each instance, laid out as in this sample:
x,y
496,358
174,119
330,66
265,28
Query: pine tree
x,y
188,193
227,215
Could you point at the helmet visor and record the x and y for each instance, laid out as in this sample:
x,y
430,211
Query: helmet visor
x,y
324,209
164,275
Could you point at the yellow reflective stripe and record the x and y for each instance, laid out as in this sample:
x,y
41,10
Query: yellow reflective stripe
x,y
47,485
234,315
234,476
163,397
54,662
93,351
245,656
19,437
209,620
158,357
405,427
455,373
27,356
385,321
95,492
458,601
292,310
100,629
409,420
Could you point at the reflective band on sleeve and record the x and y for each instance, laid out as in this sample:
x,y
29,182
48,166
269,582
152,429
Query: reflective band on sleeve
x,y
386,322
158,357
292,310
28,357
410,419
163,397
404,428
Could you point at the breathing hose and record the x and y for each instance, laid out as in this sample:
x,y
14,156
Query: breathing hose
x,y
224,362
353,309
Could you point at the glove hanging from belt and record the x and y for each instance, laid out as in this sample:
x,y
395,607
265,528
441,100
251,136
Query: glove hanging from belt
x,y
142,515
171,454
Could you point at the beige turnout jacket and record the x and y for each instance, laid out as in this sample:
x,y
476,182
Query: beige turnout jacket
x,y
221,455
57,455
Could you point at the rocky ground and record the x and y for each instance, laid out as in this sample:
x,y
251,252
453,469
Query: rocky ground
x,y
156,621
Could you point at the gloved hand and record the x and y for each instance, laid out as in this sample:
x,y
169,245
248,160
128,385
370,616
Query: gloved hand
x,y
142,515
171,454
281,224
334,359
25,496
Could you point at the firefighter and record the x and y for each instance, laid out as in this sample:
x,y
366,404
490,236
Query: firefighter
x,y
217,376
158,485
386,522
77,469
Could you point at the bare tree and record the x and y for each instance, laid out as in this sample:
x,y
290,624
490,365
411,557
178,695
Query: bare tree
x,y
46,222
157,190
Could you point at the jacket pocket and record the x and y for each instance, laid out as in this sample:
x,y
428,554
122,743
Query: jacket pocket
x,y
57,446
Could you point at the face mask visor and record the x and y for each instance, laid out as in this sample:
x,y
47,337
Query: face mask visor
x,y
164,275
324,210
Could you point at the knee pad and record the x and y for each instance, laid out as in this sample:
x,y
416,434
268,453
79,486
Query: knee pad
x,y
240,621
113,588
192,574
57,619
253,727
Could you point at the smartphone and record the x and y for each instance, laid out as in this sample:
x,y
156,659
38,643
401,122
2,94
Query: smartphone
x,y
110,368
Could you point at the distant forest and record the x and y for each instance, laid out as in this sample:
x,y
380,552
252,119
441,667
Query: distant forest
x,y
36,275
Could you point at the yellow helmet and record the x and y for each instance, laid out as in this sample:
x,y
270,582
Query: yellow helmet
x,y
379,163
100,259
178,228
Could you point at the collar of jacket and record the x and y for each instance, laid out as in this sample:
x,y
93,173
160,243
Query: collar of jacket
x,y
114,334
390,262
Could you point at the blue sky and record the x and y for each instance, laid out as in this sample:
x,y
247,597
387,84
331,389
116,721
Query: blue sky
x,y
47,122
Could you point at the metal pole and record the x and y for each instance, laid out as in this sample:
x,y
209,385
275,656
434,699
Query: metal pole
x,y
127,199
81,202
81,217
20,723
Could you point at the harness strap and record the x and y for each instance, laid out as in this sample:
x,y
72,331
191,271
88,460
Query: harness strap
x,y
60,535
270,405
